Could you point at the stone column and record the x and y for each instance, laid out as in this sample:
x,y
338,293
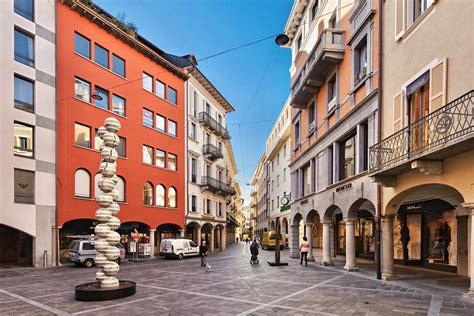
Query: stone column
x,y
223,238
294,241
350,245
152,241
212,241
387,248
198,235
309,236
470,235
182,232
327,243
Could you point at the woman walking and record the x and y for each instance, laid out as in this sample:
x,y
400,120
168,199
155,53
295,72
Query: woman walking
x,y
304,249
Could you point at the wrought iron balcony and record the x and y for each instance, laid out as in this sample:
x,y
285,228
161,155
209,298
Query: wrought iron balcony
x,y
443,133
214,125
327,52
216,186
212,152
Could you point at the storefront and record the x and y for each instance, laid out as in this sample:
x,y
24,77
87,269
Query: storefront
x,y
72,230
16,247
425,233
364,235
127,231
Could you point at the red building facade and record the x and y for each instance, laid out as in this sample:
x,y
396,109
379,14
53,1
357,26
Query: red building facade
x,y
104,69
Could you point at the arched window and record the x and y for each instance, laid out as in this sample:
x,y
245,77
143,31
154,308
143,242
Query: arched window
x,y
147,194
82,183
120,186
171,197
160,195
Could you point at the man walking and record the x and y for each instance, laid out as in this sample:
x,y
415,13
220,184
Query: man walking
x,y
203,253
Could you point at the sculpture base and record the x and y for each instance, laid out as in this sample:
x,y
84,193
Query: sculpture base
x,y
93,292
277,264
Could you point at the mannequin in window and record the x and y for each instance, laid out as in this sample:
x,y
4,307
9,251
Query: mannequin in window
x,y
445,232
405,238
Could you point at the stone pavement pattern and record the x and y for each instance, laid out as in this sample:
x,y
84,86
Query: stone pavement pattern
x,y
172,287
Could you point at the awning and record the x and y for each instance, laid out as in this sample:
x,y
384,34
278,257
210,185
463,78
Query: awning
x,y
418,83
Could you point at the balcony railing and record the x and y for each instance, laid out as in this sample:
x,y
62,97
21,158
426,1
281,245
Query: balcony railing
x,y
212,152
214,125
328,51
217,186
442,133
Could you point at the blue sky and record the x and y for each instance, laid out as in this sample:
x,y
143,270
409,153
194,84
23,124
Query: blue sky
x,y
206,27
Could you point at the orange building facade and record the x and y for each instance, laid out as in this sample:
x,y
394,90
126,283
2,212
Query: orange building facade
x,y
104,69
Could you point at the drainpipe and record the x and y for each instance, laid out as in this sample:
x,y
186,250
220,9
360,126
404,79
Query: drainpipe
x,y
379,136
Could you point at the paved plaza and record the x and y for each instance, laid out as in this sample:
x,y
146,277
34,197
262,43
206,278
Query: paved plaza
x,y
235,287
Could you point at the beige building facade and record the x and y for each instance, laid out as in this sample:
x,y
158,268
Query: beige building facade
x,y
425,160
28,133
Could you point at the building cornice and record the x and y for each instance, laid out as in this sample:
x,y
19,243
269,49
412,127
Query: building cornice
x,y
207,84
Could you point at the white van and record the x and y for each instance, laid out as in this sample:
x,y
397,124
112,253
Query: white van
x,y
178,248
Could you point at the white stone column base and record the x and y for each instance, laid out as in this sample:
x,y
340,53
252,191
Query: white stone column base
x,y
294,256
327,263
389,276
351,268
469,294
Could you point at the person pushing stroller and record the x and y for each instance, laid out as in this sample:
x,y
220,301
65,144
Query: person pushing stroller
x,y
254,252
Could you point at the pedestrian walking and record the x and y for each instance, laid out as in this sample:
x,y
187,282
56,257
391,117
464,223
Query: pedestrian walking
x,y
304,249
237,240
203,253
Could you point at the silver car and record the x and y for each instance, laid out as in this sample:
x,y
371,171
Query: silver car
x,y
82,253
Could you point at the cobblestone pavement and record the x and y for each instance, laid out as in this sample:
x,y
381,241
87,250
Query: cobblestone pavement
x,y
174,287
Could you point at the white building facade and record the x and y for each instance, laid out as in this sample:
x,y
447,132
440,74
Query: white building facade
x,y
208,174
278,170
28,133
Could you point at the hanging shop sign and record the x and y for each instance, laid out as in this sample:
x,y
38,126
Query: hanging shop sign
x,y
284,208
132,247
344,187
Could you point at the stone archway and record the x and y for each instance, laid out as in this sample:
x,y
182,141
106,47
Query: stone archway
x,y
16,247
426,225
285,231
296,233
207,235
272,225
362,212
193,232
313,231
219,237
81,228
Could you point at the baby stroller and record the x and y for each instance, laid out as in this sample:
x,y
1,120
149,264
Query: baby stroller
x,y
254,253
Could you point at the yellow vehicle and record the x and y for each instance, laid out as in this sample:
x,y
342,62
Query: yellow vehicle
x,y
269,240
245,237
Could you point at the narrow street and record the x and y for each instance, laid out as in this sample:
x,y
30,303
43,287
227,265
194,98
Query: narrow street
x,y
236,287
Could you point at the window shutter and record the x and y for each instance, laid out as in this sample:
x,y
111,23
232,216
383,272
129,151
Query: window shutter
x,y
397,112
438,85
399,18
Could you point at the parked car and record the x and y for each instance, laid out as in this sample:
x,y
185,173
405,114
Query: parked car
x,y
178,248
269,240
82,253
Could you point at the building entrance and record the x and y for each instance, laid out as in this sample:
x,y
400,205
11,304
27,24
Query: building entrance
x,y
425,233
364,235
16,247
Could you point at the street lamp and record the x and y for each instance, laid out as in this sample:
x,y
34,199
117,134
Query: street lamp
x,y
285,201
282,39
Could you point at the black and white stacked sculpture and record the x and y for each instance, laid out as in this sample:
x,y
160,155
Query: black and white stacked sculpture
x,y
108,286
108,253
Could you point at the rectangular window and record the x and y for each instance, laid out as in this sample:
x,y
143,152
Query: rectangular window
x,y
147,155
311,115
299,43
82,45
297,134
118,65
118,105
160,158
24,48
25,8
101,56
192,132
172,162
82,90
278,181
160,123
284,151
147,82
172,97
196,102
24,186
307,179
220,208
172,128
330,165
160,89
121,148
82,135
23,138
314,10
24,94
332,93
347,157
147,118
360,66
365,147
193,203
208,206
104,94
193,170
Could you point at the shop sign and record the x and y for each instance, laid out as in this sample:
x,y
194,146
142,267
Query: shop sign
x,y
344,187
414,207
145,249
133,246
284,208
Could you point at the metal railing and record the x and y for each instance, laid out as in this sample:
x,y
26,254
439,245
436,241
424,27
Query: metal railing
x,y
214,125
213,151
429,134
329,39
218,186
